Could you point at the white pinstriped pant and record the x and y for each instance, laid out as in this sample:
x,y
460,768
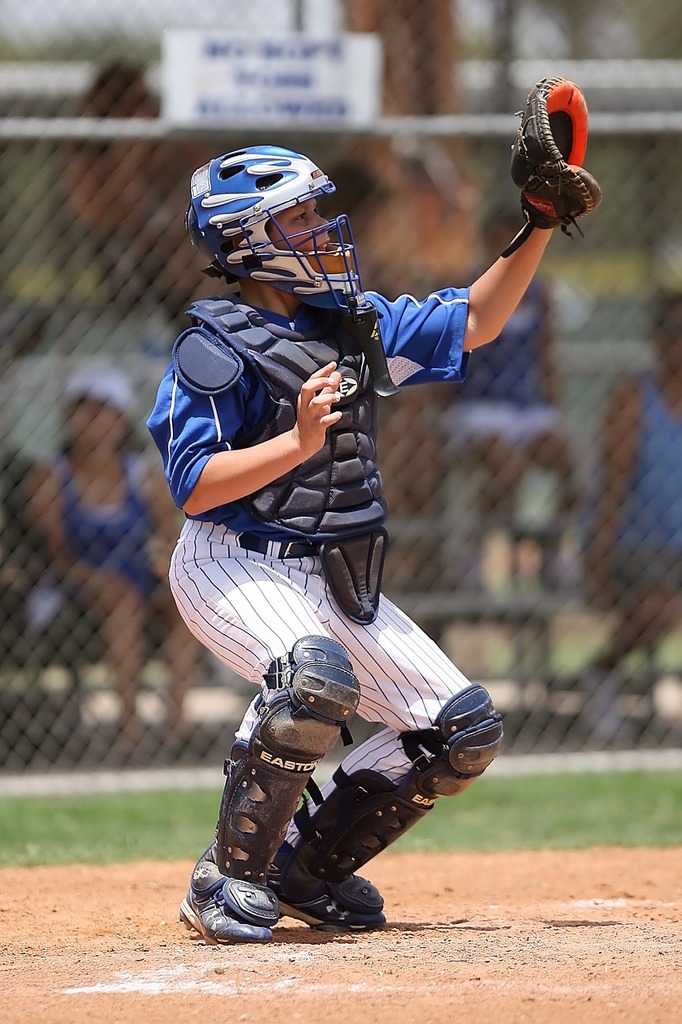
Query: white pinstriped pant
x,y
249,609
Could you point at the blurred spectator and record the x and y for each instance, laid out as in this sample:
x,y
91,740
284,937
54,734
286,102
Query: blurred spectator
x,y
131,195
505,419
634,557
110,530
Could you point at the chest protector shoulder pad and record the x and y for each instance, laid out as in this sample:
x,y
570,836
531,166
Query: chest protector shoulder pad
x,y
204,363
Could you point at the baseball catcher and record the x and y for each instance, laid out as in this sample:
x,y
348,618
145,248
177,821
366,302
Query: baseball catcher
x,y
547,159
266,420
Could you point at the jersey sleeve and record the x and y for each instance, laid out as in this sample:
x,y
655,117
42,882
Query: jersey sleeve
x,y
424,339
188,428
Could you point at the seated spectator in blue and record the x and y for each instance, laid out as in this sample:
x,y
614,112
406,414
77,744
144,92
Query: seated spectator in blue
x,y
634,557
508,419
110,530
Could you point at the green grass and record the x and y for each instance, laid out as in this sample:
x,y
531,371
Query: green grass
x,y
550,812
557,812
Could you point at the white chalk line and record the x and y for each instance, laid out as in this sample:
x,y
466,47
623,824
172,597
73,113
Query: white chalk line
x,y
165,981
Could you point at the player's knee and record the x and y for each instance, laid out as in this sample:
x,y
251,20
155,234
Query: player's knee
x,y
316,693
472,730
465,739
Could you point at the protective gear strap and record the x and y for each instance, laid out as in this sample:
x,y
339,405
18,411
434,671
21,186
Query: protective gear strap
x,y
517,241
362,323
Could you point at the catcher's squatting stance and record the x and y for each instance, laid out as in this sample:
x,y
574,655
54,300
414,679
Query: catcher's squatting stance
x,y
266,422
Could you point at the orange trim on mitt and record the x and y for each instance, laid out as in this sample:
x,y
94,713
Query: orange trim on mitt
x,y
566,96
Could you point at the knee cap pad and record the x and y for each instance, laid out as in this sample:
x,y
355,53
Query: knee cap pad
x,y
316,694
464,741
472,730
321,678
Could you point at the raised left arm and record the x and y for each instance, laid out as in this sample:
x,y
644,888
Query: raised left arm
x,y
497,292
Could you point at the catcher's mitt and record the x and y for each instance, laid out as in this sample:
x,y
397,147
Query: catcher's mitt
x,y
547,157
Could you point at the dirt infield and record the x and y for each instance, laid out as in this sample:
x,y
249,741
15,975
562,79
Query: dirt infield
x,y
568,938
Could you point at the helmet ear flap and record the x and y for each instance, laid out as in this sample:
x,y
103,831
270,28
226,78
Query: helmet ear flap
x,y
193,230
214,269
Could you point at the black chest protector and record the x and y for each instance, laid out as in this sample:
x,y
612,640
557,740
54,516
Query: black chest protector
x,y
338,491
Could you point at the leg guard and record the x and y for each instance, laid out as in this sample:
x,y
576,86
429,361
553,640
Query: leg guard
x,y
465,739
366,812
317,693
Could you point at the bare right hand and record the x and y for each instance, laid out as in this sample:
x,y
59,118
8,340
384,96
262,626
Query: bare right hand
x,y
314,409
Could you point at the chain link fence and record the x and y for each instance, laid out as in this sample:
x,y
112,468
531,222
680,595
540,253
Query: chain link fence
x,y
536,510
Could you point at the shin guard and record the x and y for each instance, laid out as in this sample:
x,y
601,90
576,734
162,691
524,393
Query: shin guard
x,y
298,724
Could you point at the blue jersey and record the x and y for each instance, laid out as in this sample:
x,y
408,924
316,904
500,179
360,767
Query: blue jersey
x,y
651,514
113,538
423,341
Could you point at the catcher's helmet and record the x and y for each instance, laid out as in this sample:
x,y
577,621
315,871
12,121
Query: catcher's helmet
x,y
235,196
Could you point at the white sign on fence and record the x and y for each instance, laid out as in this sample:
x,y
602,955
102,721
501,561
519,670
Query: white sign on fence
x,y
216,78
